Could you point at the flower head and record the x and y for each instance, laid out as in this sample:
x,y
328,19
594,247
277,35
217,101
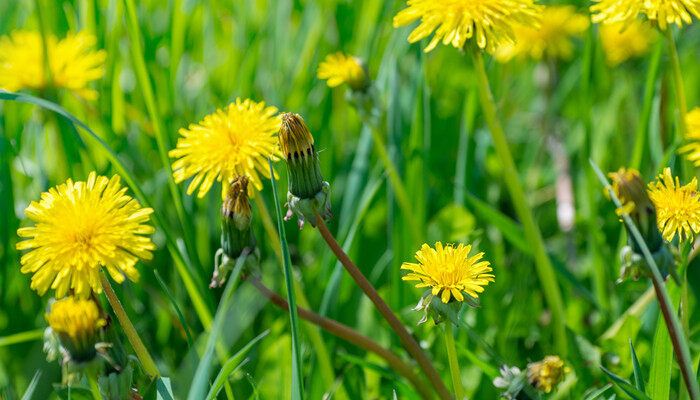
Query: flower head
x,y
72,63
231,142
551,40
338,69
624,41
76,323
81,227
663,12
677,207
489,22
546,374
449,270
692,134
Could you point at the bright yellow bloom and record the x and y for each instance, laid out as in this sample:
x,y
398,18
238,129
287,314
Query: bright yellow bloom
x,y
81,227
624,41
553,38
77,319
449,270
692,122
546,374
234,141
338,69
677,207
489,22
664,12
72,63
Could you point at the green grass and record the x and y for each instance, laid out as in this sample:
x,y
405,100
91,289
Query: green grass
x,y
171,63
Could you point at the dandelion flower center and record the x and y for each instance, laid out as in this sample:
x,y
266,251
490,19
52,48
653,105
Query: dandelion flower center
x,y
81,227
449,271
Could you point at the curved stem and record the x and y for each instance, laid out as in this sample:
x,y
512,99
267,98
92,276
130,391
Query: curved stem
x,y
543,265
148,365
454,362
678,83
346,333
409,343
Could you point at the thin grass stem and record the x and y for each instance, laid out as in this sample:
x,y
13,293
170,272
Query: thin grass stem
x,y
678,84
454,362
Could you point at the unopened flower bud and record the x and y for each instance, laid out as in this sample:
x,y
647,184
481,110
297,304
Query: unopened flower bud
x,y
78,326
308,193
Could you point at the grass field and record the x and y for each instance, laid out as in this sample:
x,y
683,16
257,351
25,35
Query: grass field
x,y
415,151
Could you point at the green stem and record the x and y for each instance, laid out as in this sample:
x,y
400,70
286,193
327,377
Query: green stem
x,y
545,271
92,382
141,352
454,363
144,80
643,123
678,83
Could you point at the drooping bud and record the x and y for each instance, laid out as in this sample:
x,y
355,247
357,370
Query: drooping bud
x,y
78,326
237,235
546,374
308,193
513,382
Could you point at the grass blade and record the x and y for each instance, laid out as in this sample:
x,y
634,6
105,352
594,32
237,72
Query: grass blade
x,y
625,386
638,378
297,383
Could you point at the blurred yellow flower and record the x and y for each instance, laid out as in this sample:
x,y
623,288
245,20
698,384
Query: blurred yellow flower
x,y
449,270
234,141
81,227
338,69
677,207
692,134
77,323
72,62
551,40
663,12
546,374
489,22
624,41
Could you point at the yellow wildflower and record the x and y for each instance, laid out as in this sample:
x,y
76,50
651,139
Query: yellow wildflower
x,y
449,270
489,22
677,207
546,374
663,12
692,134
551,40
77,324
72,63
338,69
624,41
231,142
81,227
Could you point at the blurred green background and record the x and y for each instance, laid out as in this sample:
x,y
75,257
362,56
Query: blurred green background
x,y
201,55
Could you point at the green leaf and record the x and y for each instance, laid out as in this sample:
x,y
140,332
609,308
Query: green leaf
x,y
625,386
297,383
164,389
32,386
598,392
72,393
638,377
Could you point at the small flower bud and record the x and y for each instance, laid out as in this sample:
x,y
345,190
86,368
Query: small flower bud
x,y
78,326
308,193
512,381
546,374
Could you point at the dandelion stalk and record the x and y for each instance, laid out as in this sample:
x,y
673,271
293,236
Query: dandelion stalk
x,y
346,333
675,331
454,363
678,83
407,340
141,352
545,271
92,382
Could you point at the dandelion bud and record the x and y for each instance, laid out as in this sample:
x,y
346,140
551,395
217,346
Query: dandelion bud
x,y
308,193
630,188
78,324
237,235
512,381
546,374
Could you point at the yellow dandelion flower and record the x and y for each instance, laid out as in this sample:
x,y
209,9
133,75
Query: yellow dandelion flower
x,y
449,270
692,122
624,41
77,323
677,207
81,227
546,374
338,69
231,142
663,12
72,62
552,40
489,22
